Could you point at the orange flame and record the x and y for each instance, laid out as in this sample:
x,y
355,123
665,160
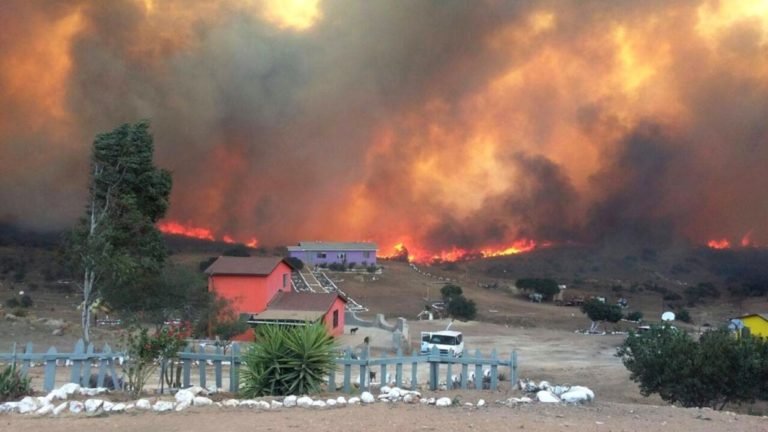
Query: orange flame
x,y
746,240
719,244
417,254
186,230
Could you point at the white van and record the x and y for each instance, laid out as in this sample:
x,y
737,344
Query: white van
x,y
449,342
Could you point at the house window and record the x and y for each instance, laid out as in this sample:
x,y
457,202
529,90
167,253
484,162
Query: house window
x,y
285,280
335,318
342,256
321,255
366,254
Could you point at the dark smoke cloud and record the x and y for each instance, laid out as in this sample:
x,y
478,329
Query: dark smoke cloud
x,y
374,123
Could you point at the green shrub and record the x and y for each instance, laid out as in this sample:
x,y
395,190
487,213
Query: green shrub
x,y
635,316
13,384
546,287
715,370
450,291
144,352
287,360
599,311
371,269
26,301
462,308
683,315
12,302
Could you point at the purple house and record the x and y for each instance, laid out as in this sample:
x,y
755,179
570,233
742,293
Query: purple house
x,y
317,253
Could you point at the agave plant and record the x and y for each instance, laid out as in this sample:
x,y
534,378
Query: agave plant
x,y
13,384
287,360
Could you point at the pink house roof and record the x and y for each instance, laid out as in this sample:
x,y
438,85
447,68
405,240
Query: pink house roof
x,y
259,266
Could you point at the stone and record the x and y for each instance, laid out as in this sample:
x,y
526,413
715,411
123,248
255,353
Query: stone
x,y
184,396
444,402
546,397
60,408
118,407
181,406
275,405
57,332
385,389
91,405
394,394
431,401
354,401
481,403
45,410
198,391
28,405
318,404
56,394
201,401
578,394
162,406
264,405
409,398
143,404
331,403
231,403
70,388
341,401
289,401
9,407
367,398
11,317
107,406
304,402
76,407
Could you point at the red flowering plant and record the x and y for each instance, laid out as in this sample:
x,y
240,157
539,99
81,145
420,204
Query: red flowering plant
x,y
146,351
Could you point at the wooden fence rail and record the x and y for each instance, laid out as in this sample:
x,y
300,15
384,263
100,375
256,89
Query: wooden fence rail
x,y
89,368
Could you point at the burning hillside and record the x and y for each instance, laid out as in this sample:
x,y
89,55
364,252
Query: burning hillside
x,y
541,122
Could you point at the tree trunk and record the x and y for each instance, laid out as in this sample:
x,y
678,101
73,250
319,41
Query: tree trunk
x,y
85,315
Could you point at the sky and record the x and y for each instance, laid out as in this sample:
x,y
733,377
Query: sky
x,y
449,126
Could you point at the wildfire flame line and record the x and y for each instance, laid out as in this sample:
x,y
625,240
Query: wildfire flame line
x,y
177,228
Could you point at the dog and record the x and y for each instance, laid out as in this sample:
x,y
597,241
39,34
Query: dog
x,y
353,330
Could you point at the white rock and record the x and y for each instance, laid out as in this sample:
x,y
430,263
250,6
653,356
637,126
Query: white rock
x,y
431,401
289,401
70,388
395,394
409,398
107,406
76,407
367,398
184,396
28,405
385,389
118,407
91,405
354,401
341,401
546,397
9,407
56,394
264,405
181,406
60,408
45,410
578,394
331,403
304,402
231,403
275,405
444,402
162,406
481,403
201,401
318,404
143,404
383,397
544,385
424,401
198,391
469,404
129,406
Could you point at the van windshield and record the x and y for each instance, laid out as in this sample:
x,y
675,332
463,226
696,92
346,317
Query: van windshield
x,y
443,340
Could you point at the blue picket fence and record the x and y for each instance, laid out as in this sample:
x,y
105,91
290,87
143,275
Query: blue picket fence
x,y
91,368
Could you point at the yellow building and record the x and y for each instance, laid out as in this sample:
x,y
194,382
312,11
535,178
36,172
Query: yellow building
x,y
756,323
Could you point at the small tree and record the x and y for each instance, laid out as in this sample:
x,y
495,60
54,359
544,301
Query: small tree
x,y
450,291
546,287
599,311
715,370
462,308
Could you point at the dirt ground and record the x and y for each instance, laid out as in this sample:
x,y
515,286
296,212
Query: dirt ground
x,y
599,417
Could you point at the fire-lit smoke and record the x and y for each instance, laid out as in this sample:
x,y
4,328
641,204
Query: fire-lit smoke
x,y
453,128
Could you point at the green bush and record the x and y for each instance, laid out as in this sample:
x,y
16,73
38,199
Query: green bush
x,y
287,360
450,291
26,301
715,370
546,287
12,302
683,315
13,384
462,308
635,316
599,311
371,269
144,352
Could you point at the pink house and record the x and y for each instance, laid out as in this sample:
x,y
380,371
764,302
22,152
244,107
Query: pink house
x,y
260,288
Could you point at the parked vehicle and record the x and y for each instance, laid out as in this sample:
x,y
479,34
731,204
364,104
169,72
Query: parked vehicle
x,y
448,342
